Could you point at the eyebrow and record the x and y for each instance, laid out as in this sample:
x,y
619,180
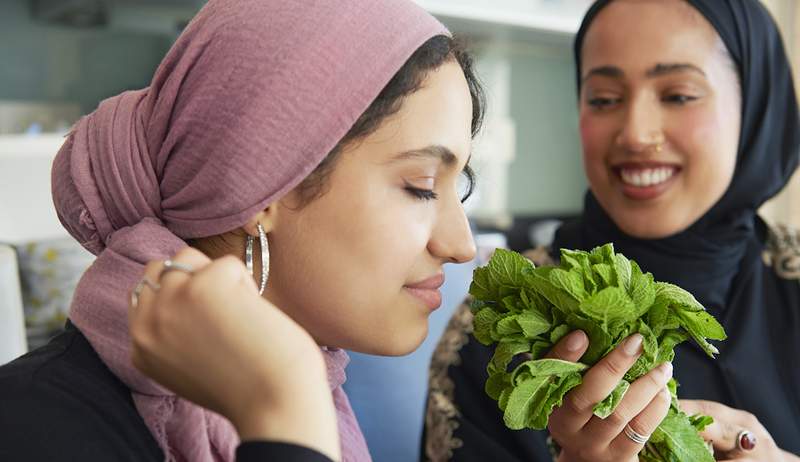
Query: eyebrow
x,y
656,71
434,151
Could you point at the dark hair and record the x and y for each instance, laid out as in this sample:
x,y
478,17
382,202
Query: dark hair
x,y
432,54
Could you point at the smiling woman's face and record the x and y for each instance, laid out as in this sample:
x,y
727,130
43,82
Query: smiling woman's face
x,y
660,112
360,266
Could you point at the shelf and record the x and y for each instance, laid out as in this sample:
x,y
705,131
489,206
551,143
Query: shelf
x,y
524,20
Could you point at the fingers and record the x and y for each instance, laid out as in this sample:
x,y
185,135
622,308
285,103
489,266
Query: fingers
x,y
570,348
728,425
641,407
723,432
645,423
156,285
598,382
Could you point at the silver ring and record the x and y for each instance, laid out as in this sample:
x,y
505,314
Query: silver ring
x,y
170,265
745,441
137,290
634,436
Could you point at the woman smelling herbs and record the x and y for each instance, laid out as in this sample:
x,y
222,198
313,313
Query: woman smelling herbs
x,y
689,123
305,137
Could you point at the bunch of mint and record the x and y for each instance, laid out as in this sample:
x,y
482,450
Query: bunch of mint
x,y
525,309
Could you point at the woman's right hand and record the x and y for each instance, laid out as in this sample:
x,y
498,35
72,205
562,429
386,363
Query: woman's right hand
x,y
586,437
209,337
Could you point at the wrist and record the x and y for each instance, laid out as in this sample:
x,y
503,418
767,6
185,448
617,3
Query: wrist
x,y
298,411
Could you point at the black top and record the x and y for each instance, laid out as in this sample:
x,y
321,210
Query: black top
x,y
61,403
756,369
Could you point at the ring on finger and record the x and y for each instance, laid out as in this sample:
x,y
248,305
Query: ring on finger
x,y
170,265
635,436
137,290
745,441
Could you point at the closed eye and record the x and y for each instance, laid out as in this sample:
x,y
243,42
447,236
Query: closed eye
x,y
422,194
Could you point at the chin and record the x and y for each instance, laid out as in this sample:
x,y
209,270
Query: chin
x,y
400,343
647,229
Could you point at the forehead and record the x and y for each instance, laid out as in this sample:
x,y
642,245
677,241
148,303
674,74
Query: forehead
x,y
438,114
634,34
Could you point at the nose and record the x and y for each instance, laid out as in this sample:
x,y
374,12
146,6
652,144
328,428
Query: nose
x,y
642,127
451,240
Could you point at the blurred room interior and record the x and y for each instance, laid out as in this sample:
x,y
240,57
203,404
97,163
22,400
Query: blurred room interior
x,y
60,58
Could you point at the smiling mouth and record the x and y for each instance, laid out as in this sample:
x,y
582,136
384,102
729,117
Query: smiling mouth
x,y
640,177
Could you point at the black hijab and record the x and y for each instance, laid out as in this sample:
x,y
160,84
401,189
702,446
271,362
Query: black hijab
x,y
707,257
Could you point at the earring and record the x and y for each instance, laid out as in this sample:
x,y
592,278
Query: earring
x,y
248,256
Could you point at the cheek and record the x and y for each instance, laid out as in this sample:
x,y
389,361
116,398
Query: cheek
x,y
596,139
708,138
371,241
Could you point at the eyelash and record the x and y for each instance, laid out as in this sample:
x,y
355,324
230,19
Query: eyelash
x,y
602,103
422,194
678,99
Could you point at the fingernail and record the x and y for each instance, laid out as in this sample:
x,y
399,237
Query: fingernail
x,y
575,341
633,344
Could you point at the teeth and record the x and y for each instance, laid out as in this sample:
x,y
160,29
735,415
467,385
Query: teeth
x,y
647,176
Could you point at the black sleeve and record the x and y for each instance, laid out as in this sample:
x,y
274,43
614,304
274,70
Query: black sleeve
x,y
462,423
262,451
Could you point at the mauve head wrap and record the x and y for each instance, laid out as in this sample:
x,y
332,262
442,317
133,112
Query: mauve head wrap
x,y
251,97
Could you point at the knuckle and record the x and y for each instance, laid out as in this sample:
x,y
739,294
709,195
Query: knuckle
x,y
664,399
708,407
613,366
152,267
577,403
190,255
750,419
618,418
640,427
232,262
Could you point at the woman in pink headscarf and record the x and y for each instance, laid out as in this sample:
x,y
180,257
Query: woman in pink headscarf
x,y
320,142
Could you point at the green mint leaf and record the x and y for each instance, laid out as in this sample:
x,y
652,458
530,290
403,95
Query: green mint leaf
x,y
559,298
496,384
700,421
604,408
606,273
506,269
533,323
483,323
506,326
569,281
599,339
546,367
623,269
682,439
700,325
522,402
610,305
559,332
503,355
677,296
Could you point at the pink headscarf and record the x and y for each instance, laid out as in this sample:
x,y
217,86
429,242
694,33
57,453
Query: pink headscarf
x,y
251,97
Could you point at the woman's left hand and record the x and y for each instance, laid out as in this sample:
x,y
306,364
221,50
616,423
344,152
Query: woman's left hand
x,y
726,430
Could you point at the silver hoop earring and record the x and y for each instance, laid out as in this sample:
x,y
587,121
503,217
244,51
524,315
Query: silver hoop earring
x,y
248,256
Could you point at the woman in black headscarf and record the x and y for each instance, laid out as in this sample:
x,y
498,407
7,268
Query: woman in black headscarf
x,y
689,123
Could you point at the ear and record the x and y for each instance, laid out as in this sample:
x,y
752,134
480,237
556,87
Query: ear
x,y
267,218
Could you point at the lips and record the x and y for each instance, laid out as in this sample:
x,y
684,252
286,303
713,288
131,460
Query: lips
x,y
427,291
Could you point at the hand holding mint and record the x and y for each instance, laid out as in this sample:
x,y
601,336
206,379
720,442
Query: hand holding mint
x,y
525,309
